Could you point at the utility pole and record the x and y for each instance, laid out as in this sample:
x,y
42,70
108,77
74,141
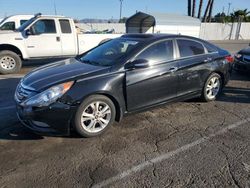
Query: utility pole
x,y
121,1
229,6
55,7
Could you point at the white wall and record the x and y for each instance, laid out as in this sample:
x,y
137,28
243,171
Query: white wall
x,y
118,27
220,31
178,29
208,31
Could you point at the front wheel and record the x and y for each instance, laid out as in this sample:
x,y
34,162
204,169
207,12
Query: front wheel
x,y
10,62
212,87
94,116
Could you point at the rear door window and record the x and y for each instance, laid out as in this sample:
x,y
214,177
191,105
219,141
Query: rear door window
x,y
190,48
65,26
159,52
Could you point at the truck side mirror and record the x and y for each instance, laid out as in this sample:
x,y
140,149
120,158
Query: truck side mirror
x,y
28,32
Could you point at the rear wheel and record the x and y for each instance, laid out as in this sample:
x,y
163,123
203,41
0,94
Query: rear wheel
x,y
94,116
10,62
212,87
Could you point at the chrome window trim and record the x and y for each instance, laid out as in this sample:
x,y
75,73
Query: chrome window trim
x,y
158,41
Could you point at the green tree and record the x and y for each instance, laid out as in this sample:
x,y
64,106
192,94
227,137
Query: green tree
x,y
240,15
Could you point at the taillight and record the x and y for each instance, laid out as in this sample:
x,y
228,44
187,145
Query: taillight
x,y
230,59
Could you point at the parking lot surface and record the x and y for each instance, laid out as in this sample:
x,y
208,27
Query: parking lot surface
x,y
186,144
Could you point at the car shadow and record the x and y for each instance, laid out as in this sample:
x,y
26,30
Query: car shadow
x,y
18,132
240,76
236,95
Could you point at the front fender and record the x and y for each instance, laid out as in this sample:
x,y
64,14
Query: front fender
x,y
111,85
14,40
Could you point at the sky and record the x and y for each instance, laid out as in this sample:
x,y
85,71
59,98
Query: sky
x,y
108,9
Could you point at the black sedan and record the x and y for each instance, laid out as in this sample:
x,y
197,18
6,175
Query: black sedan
x,y
122,76
242,60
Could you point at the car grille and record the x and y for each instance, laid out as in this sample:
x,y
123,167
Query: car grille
x,y
23,92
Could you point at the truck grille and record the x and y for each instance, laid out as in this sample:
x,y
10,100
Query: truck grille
x,y
22,93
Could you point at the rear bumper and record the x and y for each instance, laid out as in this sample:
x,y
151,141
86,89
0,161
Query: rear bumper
x,y
52,120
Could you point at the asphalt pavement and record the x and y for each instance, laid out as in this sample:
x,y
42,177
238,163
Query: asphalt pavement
x,y
186,144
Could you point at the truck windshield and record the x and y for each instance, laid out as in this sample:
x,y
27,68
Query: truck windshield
x,y
26,24
110,52
3,20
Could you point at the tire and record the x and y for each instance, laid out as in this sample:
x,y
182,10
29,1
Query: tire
x,y
88,122
10,62
212,88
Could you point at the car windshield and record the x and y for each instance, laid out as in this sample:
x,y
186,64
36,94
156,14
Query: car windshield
x,y
27,23
110,52
3,20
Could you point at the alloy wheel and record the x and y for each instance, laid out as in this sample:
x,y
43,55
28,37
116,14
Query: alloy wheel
x,y
95,117
213,87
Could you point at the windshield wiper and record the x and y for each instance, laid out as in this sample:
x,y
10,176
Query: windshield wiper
x,y
89,62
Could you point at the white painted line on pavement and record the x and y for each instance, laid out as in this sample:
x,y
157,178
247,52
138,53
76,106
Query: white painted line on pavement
x,y
7,107
168,155
12,76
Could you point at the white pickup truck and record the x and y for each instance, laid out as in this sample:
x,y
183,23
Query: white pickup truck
x,y
44,37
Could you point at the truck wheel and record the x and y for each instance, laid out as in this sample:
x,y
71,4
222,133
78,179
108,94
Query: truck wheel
x,y
10,62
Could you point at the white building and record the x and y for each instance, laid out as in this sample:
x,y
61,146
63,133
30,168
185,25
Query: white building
x,y
163,23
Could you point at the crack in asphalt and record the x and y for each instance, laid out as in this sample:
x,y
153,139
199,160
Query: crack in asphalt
x,y
158,159
230,112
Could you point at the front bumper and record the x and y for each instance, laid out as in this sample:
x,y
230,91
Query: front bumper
x,y
54,119
241,66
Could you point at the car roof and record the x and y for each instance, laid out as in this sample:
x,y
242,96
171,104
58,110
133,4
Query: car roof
x,y
158,36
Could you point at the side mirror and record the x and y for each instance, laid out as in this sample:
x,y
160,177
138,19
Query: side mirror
x,y
28,32
138,63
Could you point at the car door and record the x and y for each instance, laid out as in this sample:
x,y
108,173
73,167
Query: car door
x,y
192,65
43,39
155,83
68,38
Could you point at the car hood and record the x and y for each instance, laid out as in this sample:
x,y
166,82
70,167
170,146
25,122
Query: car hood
x,y
59,72
9,36
245,51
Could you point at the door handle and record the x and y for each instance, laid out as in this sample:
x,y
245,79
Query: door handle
x,y
208,60
58,39
173,69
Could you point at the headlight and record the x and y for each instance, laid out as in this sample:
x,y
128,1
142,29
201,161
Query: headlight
x,y
238,56
48,96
